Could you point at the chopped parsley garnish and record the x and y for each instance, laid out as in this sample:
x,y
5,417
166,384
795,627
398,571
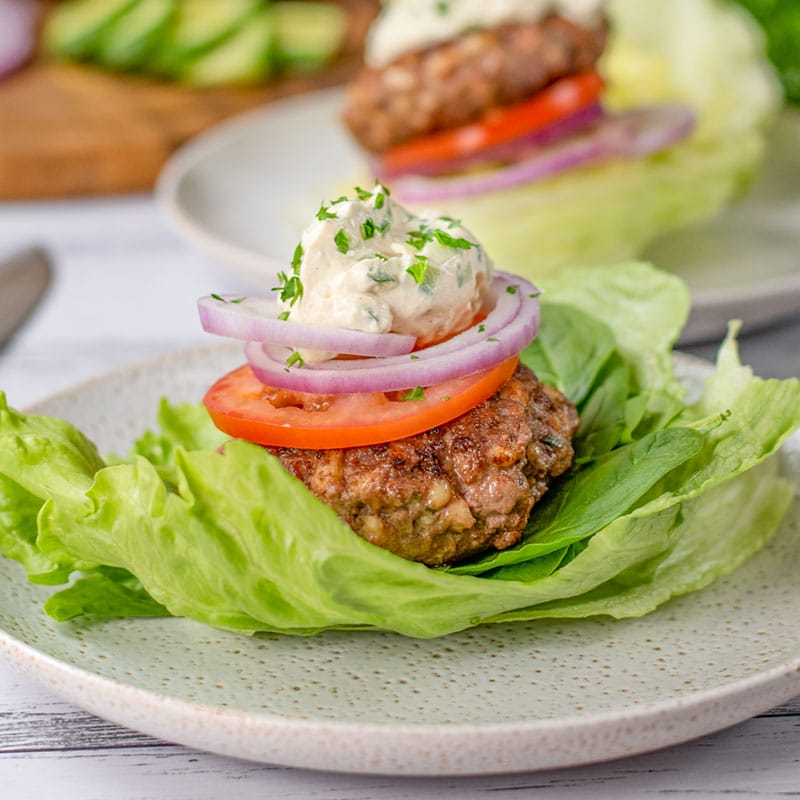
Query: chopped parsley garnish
x,y
381,257
535,294
419,269
295,360
342,199
342,242
492,339
414,358
368,229
443,237
415,394
325,213
481,328
442,7
222,299
381,277
283,316
385,225
297,258
363,194
511,289
451,222
291,287
419,238
380,199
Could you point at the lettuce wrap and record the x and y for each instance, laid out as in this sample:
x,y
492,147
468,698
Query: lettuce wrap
x,y
666,494
707,54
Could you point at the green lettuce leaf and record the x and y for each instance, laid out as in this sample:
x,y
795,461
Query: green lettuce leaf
x,y
665,497
780,20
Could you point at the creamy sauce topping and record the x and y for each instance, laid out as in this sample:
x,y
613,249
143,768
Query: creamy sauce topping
x,y
368,264
407,25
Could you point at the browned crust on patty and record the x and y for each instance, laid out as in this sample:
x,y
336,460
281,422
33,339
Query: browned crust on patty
x,y
457,82
457,490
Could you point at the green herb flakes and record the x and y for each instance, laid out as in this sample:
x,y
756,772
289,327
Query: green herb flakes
x,y
446,239
295,360
297,257
342,241
415,394
290,288
419,269
368,229
325,213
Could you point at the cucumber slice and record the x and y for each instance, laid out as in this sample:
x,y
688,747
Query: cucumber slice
x,y
74,28
200,26
244,57
308,34
132,38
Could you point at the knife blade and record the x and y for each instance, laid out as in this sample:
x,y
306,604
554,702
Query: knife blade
x,y
24,278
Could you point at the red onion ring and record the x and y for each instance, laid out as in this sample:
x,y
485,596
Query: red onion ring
x,y
17,36
509,328
255,318
635,133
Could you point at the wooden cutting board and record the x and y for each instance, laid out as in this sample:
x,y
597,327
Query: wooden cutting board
x,y
68,130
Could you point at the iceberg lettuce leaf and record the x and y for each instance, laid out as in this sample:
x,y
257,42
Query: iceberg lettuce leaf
x,y
665,498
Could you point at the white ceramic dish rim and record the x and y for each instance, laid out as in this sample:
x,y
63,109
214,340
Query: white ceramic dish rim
x,y
770,688
252,265
506,745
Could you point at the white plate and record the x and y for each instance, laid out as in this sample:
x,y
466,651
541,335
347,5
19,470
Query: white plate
x,y
495,699
242,193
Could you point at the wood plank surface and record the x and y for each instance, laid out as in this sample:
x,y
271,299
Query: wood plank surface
x,y
70,129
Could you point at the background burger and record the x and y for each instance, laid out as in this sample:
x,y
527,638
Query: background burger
x,y
564,132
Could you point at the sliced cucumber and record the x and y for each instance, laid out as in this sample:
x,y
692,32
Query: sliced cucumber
x,y
244,57
132,38
200,26
309,34
74,28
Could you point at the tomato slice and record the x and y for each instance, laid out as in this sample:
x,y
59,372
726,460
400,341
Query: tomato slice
x,y
558,101
243,407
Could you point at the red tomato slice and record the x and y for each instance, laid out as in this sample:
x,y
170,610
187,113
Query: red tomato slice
x,y
243,407
559,100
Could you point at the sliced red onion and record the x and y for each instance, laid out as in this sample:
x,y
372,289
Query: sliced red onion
x,y
504,153
635,133
506,331
255,318
17,34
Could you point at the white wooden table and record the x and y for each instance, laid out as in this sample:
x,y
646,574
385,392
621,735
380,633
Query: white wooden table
x,y
123,291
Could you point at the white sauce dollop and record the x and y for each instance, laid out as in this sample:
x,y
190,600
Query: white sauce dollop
x,y
370,265
407,25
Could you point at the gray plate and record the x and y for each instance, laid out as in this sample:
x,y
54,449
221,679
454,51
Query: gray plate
x,y
495,699
242,194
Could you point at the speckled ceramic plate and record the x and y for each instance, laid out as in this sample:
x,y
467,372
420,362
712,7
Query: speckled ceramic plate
x,y
241,194
494,699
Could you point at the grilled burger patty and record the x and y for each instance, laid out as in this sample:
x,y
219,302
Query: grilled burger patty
x,y
457,490
459,81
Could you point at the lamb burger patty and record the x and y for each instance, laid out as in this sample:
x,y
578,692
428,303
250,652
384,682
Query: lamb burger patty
x,y
458,490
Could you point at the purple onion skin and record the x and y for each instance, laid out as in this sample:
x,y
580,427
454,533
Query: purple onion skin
x,y
17,34
633,134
